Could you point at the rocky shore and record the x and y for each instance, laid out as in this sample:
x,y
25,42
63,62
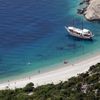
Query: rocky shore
x,y
92,9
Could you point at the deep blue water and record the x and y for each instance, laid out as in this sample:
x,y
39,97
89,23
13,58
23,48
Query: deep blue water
x,y
32,35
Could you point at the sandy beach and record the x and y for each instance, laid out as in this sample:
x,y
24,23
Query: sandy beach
x,y
54,76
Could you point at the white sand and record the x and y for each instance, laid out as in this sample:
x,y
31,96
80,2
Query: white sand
x,y
54,76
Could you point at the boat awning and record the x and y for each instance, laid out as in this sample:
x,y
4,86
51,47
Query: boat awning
x,y
85,30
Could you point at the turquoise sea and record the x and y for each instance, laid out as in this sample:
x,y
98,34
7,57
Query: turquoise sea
x,y
33,37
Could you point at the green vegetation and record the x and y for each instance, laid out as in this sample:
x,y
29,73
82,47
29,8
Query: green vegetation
x,y
85,86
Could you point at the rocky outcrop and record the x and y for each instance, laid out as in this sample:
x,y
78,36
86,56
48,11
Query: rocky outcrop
x,y
83,7
93,10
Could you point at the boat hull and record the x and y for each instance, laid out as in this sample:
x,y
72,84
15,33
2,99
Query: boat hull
x,y
77,35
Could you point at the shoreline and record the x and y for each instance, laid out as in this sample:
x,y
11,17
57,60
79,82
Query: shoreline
x,y
62,73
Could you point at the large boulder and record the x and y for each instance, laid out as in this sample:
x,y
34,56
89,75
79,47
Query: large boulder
x,y
93,10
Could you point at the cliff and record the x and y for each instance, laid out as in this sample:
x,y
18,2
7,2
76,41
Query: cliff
x,y
93,10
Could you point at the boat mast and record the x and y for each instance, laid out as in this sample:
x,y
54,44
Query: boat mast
x,y
73,22
82,24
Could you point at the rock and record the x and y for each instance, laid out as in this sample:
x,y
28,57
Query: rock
x,y
81,3
80,11
93,10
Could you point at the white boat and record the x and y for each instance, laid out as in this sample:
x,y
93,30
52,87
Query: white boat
x,y
80,33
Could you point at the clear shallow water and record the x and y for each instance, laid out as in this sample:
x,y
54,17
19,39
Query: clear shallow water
x,y
32,35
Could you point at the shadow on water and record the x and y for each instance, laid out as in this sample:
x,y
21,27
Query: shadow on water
x,y
78,39
76,44
42,56
39,55
60,48
69,46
